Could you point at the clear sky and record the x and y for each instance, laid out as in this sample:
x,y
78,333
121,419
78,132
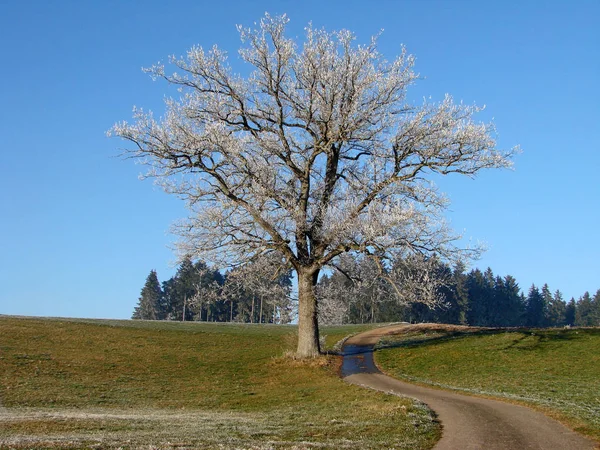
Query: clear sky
x,y
79,232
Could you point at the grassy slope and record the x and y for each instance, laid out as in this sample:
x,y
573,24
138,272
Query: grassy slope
x,y
74,383
557,370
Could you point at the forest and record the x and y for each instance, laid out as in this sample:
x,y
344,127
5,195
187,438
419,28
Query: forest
x,y
254,293
357,291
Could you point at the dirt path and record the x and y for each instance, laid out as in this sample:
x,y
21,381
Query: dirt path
x,y
468,422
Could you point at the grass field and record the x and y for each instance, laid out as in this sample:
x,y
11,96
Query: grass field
x,y
556,370
135,384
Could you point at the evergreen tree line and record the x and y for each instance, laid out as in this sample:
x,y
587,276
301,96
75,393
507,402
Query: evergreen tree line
x,y
475,298
356,292
255,293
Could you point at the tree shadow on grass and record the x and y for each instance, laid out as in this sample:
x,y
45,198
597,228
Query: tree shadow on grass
x,y
522,337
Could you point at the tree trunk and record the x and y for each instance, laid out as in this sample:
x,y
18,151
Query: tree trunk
x,y
308,327
260,313
372,310
252,313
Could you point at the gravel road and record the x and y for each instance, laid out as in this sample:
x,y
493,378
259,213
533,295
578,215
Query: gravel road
x,y
468,422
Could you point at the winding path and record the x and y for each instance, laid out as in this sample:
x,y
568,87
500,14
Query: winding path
x,y
468,422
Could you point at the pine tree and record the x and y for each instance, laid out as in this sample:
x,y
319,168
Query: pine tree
x,y
596,309
570,312
150,304
452,311
535,312
507,308
585,314
180,292
489,305
481,291
498,307
547,296
461,293
556,310
475,290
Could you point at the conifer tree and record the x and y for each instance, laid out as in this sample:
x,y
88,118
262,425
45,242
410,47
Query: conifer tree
x,y
151,300
180,289
535,313
451,311
461,293
498,307
596,309
514,306
570,312
556,310
480,293
585,313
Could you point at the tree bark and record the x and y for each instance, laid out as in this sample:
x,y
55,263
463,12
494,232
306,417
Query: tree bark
x,y
308,326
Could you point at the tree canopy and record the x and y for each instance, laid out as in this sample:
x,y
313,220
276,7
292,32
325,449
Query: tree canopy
x,y
315,154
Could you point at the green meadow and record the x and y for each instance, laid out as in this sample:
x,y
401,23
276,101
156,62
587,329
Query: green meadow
x,y
554,370
67,383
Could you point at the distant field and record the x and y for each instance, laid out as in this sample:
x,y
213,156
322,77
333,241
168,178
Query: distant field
x,y
556,370
77,383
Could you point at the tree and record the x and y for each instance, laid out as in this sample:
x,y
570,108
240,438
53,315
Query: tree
x,y
478,298
514,306
461,294
261,289
535,311
596,308
571,312
588,310
315,154
180,290
207,291
356,291
150,303
334,304
189,292
556,310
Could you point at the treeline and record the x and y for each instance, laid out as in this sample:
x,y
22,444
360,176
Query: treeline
x,y
359,290
357,294
256,293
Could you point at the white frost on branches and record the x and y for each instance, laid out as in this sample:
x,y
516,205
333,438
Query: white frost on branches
x,y
262,281
316,153
366,281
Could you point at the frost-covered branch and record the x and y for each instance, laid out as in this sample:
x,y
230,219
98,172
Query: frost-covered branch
x,y
315,154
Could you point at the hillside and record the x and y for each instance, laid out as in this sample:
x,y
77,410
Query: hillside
x,y
555,370
74,383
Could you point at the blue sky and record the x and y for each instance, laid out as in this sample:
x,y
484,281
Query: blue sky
x,y
80,233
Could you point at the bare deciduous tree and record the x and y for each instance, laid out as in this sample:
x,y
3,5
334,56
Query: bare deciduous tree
x,y
205,293
316,153
261,279
366,285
